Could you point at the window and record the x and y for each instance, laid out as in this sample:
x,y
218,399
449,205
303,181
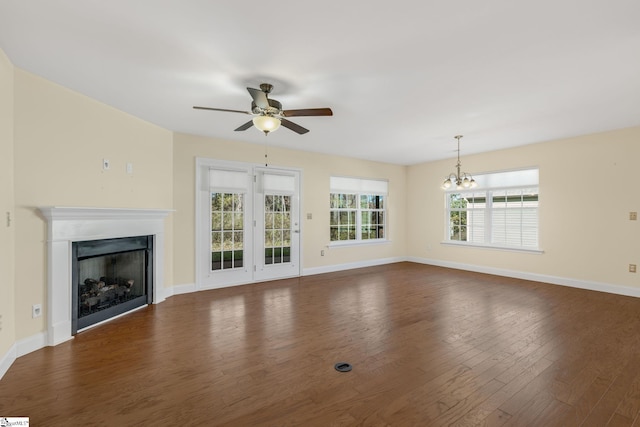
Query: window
x,y
372,216
501,212
227,226
277,228
357,209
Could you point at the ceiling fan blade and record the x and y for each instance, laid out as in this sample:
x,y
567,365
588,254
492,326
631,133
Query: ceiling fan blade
x,y
308,112
245,126
221,109
259,97
294,127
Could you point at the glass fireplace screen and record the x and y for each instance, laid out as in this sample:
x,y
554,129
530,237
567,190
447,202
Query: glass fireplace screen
x,y
111,277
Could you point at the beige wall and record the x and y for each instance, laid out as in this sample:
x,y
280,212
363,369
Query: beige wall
x,y
316,170
587,189
61,138
7,314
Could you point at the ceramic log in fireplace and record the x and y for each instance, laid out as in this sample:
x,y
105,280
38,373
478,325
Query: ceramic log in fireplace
x,y
110,277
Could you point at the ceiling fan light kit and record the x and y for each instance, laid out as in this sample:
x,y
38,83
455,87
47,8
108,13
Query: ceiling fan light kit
x,y
266,123
269,113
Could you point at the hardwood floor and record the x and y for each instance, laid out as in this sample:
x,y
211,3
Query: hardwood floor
x,y
429,346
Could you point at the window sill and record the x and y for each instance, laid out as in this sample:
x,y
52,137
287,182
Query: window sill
x,y
342,244
499,248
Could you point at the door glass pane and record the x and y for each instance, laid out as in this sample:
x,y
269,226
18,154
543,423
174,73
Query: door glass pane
x,y
227,224
277,225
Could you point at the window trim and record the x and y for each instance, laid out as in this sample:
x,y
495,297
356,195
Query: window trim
x,y
360,187
488,191
358,224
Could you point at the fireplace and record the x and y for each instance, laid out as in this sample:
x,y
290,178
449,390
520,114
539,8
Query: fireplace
x,y
110,277
70,225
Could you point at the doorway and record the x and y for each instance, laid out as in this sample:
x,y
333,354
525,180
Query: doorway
x,y
247,225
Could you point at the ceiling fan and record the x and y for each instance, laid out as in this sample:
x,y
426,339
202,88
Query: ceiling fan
x,y
269,114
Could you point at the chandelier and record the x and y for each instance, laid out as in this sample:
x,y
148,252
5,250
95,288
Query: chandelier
x,y
462,180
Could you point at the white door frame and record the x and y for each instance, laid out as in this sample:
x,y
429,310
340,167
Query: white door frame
x,y
207,279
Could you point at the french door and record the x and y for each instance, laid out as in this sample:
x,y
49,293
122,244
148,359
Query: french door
x,y
277,224
247,226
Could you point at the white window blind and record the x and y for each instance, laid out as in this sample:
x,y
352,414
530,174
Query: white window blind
x,y
228,180
278,183
340,184
516,178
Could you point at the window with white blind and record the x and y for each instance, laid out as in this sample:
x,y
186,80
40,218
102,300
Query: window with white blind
x,y
358,210
502,211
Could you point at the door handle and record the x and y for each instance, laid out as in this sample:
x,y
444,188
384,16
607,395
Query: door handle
x,y
296,231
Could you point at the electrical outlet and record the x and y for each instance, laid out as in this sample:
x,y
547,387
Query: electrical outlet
x,y
322,252
106,164
632,268
309,216
130,168
633,216
36,310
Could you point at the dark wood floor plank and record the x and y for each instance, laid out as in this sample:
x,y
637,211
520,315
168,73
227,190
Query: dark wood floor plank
x,y
429,346
553,414
629,407
518,392
466,402
618,420
594,393
621,387
527,414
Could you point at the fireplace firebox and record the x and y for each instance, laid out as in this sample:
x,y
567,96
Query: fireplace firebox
x,y
110,277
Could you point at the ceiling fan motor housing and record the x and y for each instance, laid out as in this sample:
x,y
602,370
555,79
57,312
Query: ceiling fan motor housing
x,y
275,108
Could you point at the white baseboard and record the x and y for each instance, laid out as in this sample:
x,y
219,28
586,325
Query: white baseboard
x,y
175,290
20,348
30,344
554,280
186,288
351,265
7,360
163,294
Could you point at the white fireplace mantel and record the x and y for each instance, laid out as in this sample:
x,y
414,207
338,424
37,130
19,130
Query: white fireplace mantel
x,y
74,224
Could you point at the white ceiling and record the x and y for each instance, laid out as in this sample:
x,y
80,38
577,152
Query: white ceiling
x,y
402,77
